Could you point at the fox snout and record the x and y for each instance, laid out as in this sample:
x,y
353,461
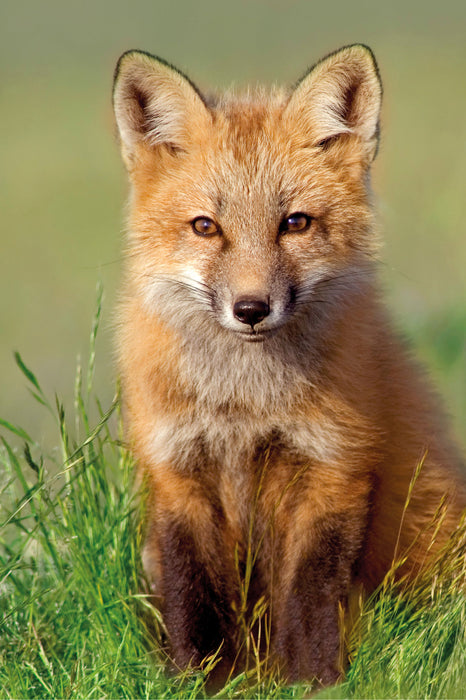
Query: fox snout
x,y
255,314
252,291
251,310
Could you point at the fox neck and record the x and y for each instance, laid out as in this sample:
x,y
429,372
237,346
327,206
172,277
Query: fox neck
x,y
227,374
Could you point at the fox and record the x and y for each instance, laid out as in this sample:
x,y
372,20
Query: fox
x,y
268,401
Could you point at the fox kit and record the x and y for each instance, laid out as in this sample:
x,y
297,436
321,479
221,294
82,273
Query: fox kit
x,y
268,403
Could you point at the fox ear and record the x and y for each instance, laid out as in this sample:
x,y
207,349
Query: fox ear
x,y
154,104
341,94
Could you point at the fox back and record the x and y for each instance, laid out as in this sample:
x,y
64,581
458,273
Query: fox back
x,y
267,400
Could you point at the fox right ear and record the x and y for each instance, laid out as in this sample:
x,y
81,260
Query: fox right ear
x,y
154,104
341,94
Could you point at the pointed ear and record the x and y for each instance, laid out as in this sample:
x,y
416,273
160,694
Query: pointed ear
x,y
154,104
340,95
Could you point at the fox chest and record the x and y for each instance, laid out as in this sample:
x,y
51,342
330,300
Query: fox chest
x,y
232,444
250,470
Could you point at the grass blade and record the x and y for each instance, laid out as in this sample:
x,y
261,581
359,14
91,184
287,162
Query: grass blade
x,y
19,432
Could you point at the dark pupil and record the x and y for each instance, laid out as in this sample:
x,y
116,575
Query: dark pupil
x,y
296,222
205,225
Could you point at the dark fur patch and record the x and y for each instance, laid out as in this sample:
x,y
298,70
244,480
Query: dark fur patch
x,y
196,600
308,635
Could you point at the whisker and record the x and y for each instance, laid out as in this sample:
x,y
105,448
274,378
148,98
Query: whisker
x,y
311,292
202,293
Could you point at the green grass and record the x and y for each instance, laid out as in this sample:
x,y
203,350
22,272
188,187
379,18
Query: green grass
x,y
75,617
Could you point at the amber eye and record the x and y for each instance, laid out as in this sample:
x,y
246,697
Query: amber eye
x,y
204,226
295,223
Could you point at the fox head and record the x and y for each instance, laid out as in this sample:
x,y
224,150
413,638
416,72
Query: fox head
x,y
248,212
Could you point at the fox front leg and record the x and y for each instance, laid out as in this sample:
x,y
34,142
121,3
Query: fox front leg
x,y
194,579
308,635
196,595
317,546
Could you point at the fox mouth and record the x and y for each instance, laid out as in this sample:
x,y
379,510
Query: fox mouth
x,y
259,336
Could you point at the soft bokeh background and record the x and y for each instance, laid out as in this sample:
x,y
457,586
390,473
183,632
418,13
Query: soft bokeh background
x,y
62,185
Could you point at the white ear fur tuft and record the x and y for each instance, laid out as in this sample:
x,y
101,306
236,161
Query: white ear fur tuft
x,y
154,103
342,94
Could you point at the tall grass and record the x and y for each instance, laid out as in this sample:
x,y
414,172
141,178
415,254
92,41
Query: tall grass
x,y
76,618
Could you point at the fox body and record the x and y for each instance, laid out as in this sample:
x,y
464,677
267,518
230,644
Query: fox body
x,y
268,403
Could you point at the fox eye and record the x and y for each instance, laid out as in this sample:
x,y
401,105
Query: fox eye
x,y
204,226
295,223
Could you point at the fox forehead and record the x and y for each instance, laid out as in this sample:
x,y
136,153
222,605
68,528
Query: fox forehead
x,y
244,159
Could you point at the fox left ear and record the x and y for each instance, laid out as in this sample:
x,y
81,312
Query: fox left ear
x,y
155,105
341,94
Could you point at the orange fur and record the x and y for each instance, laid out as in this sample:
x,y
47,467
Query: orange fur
x,y
264,389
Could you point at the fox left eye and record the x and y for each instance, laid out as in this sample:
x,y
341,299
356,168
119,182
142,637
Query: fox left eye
x,y
204,226
295,223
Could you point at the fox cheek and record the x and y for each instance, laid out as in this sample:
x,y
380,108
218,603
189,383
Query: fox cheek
x,y
292,298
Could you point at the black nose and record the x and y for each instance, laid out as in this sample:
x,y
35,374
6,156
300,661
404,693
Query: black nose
x,y
251,311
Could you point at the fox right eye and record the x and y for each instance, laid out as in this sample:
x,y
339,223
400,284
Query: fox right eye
x,y
295,223
204,226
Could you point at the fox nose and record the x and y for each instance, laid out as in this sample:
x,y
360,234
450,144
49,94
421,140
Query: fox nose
x,y
251,311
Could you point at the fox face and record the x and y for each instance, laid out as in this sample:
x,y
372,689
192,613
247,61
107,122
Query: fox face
x,y
249,214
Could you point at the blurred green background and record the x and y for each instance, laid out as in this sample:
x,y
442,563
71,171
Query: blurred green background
x,y
62,185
